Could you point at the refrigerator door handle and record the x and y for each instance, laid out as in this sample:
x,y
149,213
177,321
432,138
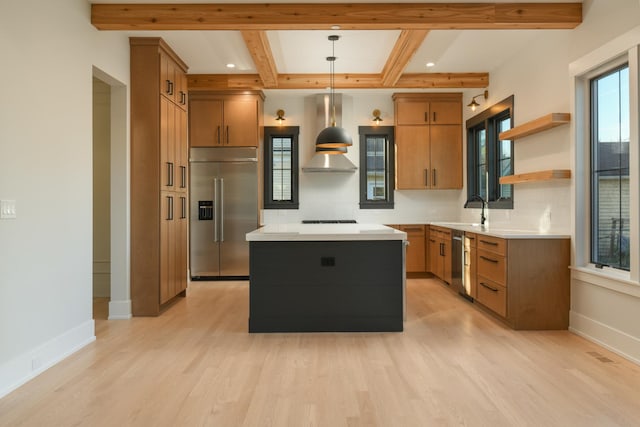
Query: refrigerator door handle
x,y
215,205
222,209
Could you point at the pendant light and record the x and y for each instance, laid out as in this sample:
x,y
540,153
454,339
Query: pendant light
x,y
333,137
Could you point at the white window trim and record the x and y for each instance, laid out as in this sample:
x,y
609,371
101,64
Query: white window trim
x,y
625,48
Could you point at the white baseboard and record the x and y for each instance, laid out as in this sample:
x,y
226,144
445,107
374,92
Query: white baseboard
x,y
120,310
610,338
27,366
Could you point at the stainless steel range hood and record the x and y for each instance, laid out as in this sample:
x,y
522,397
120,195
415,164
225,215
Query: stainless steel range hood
x,y
323,162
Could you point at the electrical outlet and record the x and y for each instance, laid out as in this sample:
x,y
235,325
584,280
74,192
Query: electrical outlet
x,y
7,209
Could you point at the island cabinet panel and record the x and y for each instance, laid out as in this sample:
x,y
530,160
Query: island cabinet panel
x,y
324,286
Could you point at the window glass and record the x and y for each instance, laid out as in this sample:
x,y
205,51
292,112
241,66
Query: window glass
x,y
489,158
610,169
505,162
281,167
481,174
376,167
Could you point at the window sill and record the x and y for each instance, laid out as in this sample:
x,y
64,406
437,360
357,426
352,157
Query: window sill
x,y
614,280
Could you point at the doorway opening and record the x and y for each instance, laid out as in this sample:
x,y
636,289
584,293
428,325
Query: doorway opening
x,y
111,285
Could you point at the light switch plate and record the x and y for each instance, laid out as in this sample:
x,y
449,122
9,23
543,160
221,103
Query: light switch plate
x,y
7,209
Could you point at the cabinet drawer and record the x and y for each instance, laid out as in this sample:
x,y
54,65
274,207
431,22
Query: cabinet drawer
x,y
492,266
492,295
493,244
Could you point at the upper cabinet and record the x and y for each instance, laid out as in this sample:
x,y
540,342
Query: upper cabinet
x,y
428,140
173,80
225,119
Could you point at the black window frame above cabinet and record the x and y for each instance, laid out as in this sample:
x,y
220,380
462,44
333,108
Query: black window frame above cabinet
x,y
489,121
388,133
271,132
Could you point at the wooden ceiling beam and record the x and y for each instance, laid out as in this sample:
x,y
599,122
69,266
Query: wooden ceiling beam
x,y
349,16
406,46
341,81
260,50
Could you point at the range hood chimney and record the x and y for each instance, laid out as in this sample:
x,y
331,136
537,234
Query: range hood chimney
x,y
329,160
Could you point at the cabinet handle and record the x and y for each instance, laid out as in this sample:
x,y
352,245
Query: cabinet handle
x,y
183,201
170,208
441,249
495,261
434,116
183,98
168,174
171,86
488,243
431,240
227,135
426,117
183,177
465,257
489,287
168,90
218,135
426,177
433,181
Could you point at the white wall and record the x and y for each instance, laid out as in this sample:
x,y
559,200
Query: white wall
x,y
336,195
603,309
46,166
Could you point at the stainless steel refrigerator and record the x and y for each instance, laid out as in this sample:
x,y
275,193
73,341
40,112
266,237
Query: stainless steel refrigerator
x,y
224,207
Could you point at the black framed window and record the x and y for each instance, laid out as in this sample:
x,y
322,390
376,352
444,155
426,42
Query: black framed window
x,y
377,161
281,167
610,134
488,158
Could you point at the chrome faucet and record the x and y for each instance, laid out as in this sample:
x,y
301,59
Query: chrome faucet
x,y
476,197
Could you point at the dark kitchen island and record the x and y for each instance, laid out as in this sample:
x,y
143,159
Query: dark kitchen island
x,y
326,278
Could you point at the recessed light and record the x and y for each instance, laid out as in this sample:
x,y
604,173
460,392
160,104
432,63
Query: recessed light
x,y
431,64
231,65
335,27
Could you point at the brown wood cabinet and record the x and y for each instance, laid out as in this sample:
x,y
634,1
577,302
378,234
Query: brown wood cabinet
x,y
428,140
440,252
173,80
225,119
159,171
524,281
416,257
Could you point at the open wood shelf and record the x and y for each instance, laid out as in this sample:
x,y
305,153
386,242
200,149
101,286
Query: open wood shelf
x,y
538,125
536,176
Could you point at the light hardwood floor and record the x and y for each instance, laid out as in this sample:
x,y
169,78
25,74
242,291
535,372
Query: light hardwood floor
x,y
453,365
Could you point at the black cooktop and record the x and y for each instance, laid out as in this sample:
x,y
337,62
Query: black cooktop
x,y
329,221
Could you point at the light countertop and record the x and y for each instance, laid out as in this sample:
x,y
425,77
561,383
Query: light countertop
x,y
325,232
501,232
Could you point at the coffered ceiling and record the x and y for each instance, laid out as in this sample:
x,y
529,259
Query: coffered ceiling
x,y
284,45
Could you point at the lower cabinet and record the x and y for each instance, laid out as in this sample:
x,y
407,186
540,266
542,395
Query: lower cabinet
x,y
440,252
173,245
416,256
524,281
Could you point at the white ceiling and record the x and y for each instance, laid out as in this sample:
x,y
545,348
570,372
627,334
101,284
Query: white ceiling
x,y
357,51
